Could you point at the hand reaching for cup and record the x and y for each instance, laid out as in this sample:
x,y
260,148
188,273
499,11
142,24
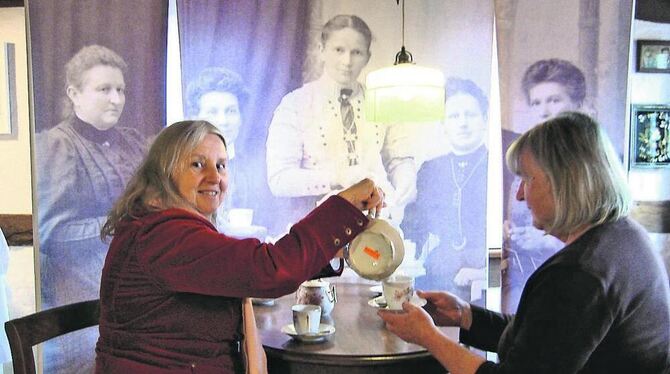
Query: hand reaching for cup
x,y
447,309
365,195
414,325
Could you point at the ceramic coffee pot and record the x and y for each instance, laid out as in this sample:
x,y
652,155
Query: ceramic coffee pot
x,y
376,252
317,292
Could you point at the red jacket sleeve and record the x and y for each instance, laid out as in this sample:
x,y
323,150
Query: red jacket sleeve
x,y
185,253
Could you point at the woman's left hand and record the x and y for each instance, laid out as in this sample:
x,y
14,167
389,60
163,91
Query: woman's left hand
x,y
413,324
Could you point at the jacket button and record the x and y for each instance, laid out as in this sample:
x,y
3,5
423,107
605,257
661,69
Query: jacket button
x,y
347,231
336,241
359,222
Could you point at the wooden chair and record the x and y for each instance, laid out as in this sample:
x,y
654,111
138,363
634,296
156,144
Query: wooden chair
x,y
25,332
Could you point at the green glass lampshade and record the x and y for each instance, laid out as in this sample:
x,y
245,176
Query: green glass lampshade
x,y
404,92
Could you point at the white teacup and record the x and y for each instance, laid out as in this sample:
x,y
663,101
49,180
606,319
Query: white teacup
x,y
397,289
240,217
306,318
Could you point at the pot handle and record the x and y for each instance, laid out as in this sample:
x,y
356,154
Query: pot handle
x,y
332,294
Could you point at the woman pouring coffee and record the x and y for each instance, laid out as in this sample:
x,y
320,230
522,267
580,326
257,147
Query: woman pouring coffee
x,y
173,288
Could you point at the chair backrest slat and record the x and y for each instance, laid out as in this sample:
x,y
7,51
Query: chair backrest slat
x,y
25,332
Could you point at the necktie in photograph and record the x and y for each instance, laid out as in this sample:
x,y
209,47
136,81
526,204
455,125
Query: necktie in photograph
x,y
348,125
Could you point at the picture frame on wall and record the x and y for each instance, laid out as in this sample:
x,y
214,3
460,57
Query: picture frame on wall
x,y
653,56
650,135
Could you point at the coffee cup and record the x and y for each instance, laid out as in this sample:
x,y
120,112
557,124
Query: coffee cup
x,y
240,217
306,318
397,289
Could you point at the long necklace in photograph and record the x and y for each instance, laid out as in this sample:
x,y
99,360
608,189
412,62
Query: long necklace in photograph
x,y
458,197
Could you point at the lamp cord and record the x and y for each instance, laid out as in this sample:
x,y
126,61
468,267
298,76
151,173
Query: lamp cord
x,y
403,23
403,56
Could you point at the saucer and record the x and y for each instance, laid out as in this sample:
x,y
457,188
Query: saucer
x,y
379,302
325,330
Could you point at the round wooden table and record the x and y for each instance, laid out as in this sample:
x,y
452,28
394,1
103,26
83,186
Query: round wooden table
x,y
360,344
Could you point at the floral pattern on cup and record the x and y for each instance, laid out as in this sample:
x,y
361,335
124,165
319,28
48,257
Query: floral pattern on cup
x,y
398,289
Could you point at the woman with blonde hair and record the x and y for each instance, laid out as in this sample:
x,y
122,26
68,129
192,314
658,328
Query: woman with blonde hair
x,y
174,291
599,305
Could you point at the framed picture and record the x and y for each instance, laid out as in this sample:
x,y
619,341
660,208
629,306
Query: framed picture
x,y
650,134
653,56
8,115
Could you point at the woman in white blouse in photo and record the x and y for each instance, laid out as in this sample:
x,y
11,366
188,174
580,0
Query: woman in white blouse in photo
x,y
319,139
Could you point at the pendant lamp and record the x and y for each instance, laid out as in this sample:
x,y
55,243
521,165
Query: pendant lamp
x,y
404,92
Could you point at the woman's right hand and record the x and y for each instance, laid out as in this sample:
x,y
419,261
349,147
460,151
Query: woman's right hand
x,y
365,195
447,309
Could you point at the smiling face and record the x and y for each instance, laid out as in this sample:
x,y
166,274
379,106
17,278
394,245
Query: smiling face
x,y
536,190
100,99
344,55
465,123
222,109
548,99
203,180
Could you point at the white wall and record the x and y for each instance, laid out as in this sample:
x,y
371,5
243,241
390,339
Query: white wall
x,y
649,88
15,189
15,174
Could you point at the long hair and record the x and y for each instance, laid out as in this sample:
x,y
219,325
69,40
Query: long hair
x,y
587,179
87,58
152,188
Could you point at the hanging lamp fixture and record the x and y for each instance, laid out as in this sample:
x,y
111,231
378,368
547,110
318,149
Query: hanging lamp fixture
x,y
404,92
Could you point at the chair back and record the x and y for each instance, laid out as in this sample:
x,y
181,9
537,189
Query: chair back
x,y
25,332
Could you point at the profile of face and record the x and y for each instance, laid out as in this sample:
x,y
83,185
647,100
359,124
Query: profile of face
x,y
548,99
465,123
536,190
344,55
222,109
101,98
203,180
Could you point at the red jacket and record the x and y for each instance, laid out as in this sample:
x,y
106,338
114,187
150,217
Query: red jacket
x,y
172,286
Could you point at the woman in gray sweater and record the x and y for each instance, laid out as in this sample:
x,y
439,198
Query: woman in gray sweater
x,y
599,305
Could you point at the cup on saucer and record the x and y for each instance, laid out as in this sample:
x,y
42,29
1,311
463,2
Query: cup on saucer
x,y
396,290
306,318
